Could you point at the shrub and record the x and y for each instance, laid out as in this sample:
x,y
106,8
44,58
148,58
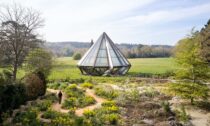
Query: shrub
x,y
87,100
166,106
77,56
62,121
108,103
11,96
55,85
150,92
106,92
107,114
70,102
34,86
182,115
44,86
89,113
112,118
87,85
5,77
188,90
51,97
39,60
72,111
133,95
72,87
76,97
27,118
44,105
63,86
79,121
50,114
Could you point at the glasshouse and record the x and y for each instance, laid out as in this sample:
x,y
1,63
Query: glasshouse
x,y
103,58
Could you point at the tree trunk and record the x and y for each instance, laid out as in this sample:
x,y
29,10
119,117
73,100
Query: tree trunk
x,y
15,67
14,72
192,101
193,74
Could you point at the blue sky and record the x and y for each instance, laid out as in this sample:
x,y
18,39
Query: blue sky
x,y
125,21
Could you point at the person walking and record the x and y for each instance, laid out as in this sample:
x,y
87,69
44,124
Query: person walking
x,y
60,96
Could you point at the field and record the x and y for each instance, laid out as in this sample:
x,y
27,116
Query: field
x,y
65,68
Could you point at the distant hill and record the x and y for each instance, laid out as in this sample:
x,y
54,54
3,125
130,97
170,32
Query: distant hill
x,y
129,50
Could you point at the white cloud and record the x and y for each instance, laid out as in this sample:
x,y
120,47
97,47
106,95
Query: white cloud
x,y
123,20
164,16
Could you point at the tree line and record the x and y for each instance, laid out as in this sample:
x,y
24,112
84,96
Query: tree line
x,y
147,51
69,49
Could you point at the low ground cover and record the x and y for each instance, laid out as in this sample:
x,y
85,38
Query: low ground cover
x,y
76,97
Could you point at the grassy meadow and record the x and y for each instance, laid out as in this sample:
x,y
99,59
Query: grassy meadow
x,y
65,68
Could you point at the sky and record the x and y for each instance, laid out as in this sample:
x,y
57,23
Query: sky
x,y
125,21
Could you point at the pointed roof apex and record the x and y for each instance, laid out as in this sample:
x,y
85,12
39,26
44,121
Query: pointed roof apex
x,y
104,33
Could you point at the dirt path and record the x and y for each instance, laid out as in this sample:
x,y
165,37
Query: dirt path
x,y
78,112
199,118
56,106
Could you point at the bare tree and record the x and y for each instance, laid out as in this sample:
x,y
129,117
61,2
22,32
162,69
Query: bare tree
x,y
18,33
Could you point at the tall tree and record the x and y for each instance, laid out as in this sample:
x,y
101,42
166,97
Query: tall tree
x,y
193,65
205,41
193,69
39,60
18,33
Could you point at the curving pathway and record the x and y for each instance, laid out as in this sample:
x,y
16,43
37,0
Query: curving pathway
x,y
79,112
99,100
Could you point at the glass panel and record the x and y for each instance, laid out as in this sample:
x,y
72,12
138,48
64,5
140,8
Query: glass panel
x,y
101,62
115,62
122,58
89,61
112,54
102,53
103,44
121,61
90,57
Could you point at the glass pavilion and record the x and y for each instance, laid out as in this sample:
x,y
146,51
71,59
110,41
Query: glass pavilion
x,y
104,58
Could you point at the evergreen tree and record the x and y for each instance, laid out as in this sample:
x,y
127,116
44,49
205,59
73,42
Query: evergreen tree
x,y
205,41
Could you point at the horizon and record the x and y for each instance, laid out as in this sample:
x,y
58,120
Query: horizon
x,y
148,22
115,43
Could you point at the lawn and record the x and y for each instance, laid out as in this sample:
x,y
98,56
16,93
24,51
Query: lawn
x,y
152,65
65,68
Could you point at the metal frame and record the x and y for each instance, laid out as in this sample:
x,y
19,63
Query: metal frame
x,y
99,71
110,69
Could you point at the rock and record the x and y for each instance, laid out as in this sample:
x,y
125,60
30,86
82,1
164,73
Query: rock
x,y
174,123
164,123
171,118
188,124
148,121
15,112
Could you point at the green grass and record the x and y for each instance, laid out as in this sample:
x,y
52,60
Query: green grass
x,y
65,67
20,73
152,65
